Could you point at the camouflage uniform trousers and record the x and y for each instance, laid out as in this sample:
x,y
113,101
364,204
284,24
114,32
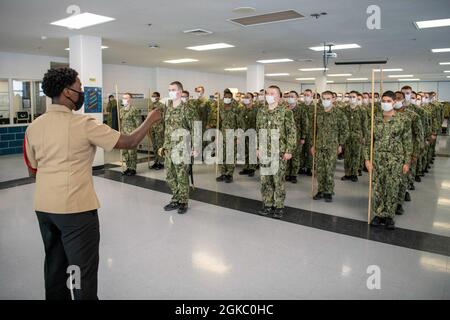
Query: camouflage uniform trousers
x,y
352,156
247,165
306,159
157,135
273,190
293,165
326,166
227,169
130,159
387,177
177,178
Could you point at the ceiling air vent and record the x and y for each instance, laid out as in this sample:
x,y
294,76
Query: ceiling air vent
x,y
273,17
198,32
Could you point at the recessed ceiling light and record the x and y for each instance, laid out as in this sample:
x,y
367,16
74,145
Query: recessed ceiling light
x,y
82,20
211,46
275,60
357,79
444,63
401,76
314,69
389,70
432,23
236,69
440,50
276,74
409,79
304,79
103,47
181,60
330,81
43,37
336,47
340,75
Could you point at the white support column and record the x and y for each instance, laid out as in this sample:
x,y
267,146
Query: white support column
x,y
255,77
86,59
321,83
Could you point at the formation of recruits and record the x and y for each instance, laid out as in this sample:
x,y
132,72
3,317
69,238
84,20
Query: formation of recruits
x,y
326,127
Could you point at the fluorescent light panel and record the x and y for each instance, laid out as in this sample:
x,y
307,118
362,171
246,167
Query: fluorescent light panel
x,y
340,75
276,74
103,47
440,50
337,47
389,70
213,46
401,76
357,79
275,60
432,23
82,20
181,60
409,79
236,69
305,79
444,63
447,71
314,69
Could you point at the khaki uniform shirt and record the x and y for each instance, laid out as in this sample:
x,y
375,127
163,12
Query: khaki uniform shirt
x,y
61,145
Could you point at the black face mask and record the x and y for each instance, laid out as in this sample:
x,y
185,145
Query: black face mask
x,y
79,103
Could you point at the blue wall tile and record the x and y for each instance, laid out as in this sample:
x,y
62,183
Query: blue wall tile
x,y
20,136
4,145
16,143
14,129
18,150
7,137
3,130
6,151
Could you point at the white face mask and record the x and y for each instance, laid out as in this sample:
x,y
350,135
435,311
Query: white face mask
x,y
359,103
366,101
413,101
354,100
418,102
386,106
398,105
172,95
302,99
270,99
308,99
425,100
292,100
125,103
198,95
346,99
408,97
184,99
326,104
261,98
227,100
153,99
246,101
339,99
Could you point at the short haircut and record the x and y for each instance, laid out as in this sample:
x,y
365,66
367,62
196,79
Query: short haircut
x,y
406,88
278,88
294,92
185,92
178,84
413,92
128,94
111,96
201,87
227,91
308,90
355,92
366,93
156,93
328,92
389,94
251,94
56,80
401,93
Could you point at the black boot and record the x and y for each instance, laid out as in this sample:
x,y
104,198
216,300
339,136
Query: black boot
x,y
288,178
173,205
251,173
345,178
407,196
278,213
265,211
221,178
328,197
228,179
354,178
125,173
417,178
293,179
399,210
378,221
359,172
244,172
318,196
390,224
182,209
308,172
412,187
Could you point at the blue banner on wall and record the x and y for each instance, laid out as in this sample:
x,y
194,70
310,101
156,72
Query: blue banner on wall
x,y
92,100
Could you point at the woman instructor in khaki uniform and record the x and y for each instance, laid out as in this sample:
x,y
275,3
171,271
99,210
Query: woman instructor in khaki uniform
x,y
59,149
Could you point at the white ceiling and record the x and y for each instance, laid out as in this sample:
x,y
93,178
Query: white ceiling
x,y
23,22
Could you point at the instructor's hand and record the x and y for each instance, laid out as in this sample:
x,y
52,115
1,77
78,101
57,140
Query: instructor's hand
x,y
369,165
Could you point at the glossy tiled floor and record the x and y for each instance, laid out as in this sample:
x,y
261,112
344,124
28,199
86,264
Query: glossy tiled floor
x,y
218,253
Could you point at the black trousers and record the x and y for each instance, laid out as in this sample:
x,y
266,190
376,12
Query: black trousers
x,y
70,240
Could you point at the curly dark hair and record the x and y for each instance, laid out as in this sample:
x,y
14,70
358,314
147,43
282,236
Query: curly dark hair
x,y
56,80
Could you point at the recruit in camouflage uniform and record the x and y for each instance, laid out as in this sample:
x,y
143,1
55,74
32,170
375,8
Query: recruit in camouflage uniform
x,y
157,133
181,117
229,119
129,121
248,116
331,132
392,148
306,160
203,108
358,132
303,127
272,186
